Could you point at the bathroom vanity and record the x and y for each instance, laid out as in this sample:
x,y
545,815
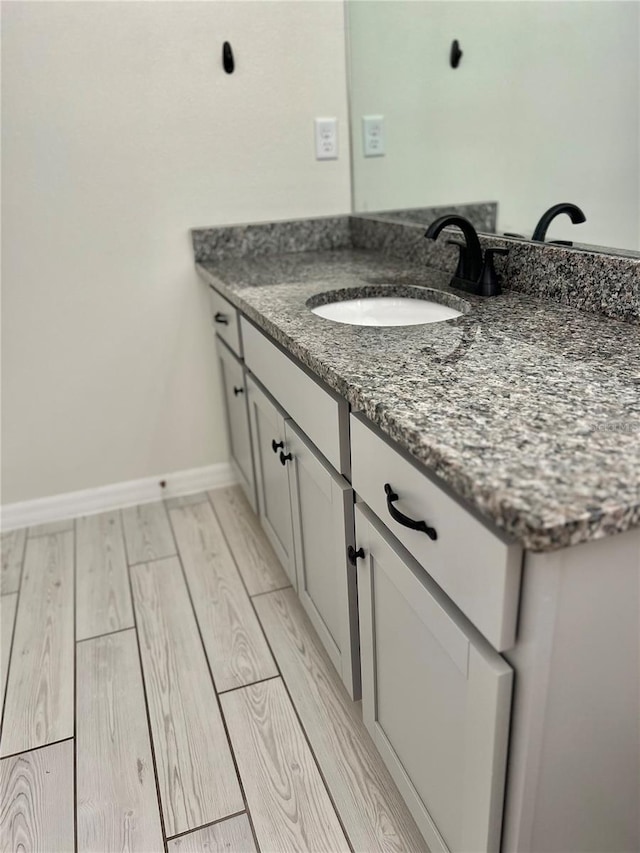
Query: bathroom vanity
x,y
458,507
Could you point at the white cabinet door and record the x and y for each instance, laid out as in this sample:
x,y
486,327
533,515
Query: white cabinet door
x,y
235,396
272,482
322,508
436,697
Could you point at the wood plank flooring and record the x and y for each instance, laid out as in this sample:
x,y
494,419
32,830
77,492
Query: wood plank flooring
x,y
12,553
259,566
36,800
229,836
8,604
197,778
289,804
147,533
39,696
116,787
102,584
51,527
237,650
206,716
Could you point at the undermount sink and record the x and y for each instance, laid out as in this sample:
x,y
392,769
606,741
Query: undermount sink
x,y
384,305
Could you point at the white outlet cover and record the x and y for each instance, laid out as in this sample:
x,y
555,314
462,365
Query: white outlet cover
x,y
373,136
326,138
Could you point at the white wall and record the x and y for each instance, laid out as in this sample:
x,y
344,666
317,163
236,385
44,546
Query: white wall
x,y
120,131
543,108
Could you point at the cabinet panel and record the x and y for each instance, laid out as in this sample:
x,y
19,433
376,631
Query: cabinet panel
x,y
476,568
436,697
322,508
226,321
237,415
272,481
318,411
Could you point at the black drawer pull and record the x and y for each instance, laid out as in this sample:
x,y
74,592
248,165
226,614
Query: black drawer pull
x,y
221,318
237,390
285,457
354,555
276,444
403,519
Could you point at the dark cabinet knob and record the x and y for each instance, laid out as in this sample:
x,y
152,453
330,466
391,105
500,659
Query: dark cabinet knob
x,y
354,555
276,445
285,457
221,318
237,390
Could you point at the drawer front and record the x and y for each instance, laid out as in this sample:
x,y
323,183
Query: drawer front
x,y
322,508
322,415
475,567
237,411
436,698
226,321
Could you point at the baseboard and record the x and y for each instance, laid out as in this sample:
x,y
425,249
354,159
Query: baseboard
x,y
116,496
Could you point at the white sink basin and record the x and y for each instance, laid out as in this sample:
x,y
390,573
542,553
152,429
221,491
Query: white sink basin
x,y
386,311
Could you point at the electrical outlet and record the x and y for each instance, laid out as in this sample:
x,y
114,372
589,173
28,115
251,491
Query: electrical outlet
x,y
373,136
326,139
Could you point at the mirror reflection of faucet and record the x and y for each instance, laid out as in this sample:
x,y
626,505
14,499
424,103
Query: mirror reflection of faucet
x,y
573,212
474,273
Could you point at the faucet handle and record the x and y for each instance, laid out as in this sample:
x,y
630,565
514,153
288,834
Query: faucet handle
x,y
461,269
489,278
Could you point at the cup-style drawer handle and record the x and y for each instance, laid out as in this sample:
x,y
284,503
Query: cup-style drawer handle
x,y
237,390
403,519
276,445
285,457
221,318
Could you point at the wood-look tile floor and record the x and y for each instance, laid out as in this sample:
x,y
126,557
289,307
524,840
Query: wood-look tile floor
x,y
162,690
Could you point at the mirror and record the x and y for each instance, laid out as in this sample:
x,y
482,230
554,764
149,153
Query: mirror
x,y
543,107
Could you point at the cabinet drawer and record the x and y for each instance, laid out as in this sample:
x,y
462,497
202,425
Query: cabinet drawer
x,y
226,321
477,569
436,697
322,415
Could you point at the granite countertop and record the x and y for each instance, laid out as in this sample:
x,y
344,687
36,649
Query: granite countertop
x,y
528,410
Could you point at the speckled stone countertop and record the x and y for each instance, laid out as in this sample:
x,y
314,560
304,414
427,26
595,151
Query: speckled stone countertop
x,y
527,409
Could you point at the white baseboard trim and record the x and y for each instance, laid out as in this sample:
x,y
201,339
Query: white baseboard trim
x,y
116,496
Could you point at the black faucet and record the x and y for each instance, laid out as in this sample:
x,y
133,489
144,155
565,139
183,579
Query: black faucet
x,y
572,211
473,273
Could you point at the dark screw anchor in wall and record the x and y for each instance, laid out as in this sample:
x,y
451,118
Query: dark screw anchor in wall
x,y
227,58
456,54
163,484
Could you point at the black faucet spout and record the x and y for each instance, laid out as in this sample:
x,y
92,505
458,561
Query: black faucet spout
x,y
572,210
473,249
